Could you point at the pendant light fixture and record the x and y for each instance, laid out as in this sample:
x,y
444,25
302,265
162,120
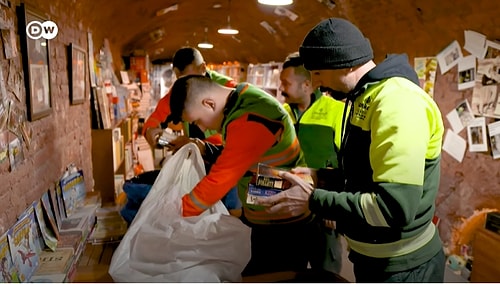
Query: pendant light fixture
x,y
275,2
228,30
205,43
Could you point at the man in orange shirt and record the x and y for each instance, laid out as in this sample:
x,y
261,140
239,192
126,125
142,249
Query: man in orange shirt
x,y
189,61
186,61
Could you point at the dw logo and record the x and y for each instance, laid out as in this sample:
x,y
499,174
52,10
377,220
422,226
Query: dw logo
x,y
36,30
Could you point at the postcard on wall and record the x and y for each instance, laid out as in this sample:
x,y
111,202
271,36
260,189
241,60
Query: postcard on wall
x,y
485,100
16,154
476,135
449,56
22,245
426,71
9,271
466,72
494,134
4,145
492,49
9,43
475,43
454,145
460,116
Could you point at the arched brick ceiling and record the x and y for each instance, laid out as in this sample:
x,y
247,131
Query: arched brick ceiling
x,y
419,28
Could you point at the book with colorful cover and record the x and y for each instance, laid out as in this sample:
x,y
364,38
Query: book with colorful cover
x,y
47,233
22,245
49,214
7,267
55,262
73,192
268,176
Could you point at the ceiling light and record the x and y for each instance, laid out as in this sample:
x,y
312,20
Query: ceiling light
x,y
275,2
228,30
205,43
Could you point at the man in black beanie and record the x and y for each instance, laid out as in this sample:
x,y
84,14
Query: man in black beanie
x,y
389,162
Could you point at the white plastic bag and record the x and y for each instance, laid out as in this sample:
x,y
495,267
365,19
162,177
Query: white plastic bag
x,y
162,246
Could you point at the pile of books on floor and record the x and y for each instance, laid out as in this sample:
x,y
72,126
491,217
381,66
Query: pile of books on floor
x,y
46,242
109,227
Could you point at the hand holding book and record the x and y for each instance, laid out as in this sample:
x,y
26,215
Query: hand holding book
x,y
294,200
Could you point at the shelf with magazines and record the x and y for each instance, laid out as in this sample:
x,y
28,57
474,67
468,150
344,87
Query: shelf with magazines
x,y
265,76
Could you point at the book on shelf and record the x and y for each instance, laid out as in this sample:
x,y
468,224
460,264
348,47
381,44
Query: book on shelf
x,y
73,191
22,245
49,213
49,238
55,262
54,202
110,225
9,271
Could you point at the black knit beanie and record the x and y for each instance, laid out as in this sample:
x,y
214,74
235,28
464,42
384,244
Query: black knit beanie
x,y
335,44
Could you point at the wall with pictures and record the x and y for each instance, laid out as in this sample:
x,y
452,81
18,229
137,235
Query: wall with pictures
x,y
59,134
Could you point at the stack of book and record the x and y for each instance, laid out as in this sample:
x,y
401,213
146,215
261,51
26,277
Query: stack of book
x,y
109,227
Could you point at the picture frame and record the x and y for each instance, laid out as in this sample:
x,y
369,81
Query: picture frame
x,y
36,65
77,76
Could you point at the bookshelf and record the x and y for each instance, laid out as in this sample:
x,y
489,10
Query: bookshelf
x,y
112,151
265,76
230,69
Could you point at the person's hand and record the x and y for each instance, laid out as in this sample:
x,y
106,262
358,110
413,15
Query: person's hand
x,y
305,171
180,141
152,135
294,200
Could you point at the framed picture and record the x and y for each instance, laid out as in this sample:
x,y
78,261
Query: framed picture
x,y
77,67
35,65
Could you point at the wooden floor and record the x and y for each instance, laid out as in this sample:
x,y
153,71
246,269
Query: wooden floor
x,y
94,263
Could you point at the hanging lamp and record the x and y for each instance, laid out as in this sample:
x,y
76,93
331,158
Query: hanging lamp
x,y
275,2
228,30
205,43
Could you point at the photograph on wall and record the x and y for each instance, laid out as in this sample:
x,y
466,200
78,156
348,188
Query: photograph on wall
x,y
485,100
492,49
426,71
460,116
476,135
488,71
466,72
475,43
494,134
35,66
449,57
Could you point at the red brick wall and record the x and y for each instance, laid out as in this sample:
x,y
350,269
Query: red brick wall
x,y
59,139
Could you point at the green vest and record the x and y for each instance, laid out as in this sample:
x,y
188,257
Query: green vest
x,y
319,129
285,153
